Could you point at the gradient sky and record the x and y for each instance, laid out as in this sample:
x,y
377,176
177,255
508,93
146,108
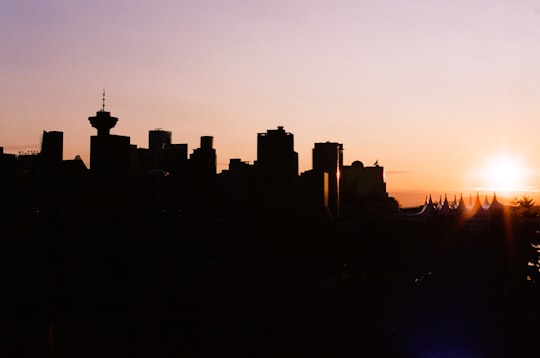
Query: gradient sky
x,y
436,91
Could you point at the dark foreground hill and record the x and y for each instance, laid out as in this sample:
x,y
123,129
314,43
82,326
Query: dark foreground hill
x,y
171,284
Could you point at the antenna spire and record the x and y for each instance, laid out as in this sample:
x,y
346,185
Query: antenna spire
x,y
103,101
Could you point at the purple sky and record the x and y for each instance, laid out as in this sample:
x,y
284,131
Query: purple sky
x,y
434,90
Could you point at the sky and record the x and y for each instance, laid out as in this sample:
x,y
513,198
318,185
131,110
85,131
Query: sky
x,y
443,94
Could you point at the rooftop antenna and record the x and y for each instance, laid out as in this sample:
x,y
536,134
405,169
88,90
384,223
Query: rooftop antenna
x,y
103,101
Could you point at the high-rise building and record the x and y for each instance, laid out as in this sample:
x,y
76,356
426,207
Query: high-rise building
x,y
363,182
328,158
238,186
363,192
52,147
203,159
275,153
276,170
202,164
175,158
157,140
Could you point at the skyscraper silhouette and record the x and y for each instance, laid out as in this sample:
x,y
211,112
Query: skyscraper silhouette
x,y
276,171
203,160
157,140
328,158
203,172
52,147
363,192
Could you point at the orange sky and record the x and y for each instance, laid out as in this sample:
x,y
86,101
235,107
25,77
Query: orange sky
x,y
435,91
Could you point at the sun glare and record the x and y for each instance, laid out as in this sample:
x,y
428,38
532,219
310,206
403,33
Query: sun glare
x,y
505,174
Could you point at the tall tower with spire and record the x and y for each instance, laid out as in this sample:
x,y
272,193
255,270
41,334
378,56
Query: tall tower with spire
x,y
103,121
109,154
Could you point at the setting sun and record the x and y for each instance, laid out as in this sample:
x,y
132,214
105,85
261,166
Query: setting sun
x,y
504,173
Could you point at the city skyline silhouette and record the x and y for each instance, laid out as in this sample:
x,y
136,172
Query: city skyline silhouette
x,y
406,198
269,179
182,259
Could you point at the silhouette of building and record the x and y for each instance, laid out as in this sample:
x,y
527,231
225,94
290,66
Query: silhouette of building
x,y
48,178
203,160
236,186
328,158
313,195
8,179
157,140
175,161
52,147
103,122
175,158
363,192
109,154
276,171
166,170
202,163
29,187
164,175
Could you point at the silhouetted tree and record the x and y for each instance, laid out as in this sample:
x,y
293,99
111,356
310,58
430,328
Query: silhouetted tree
x,y
526,256
524,206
